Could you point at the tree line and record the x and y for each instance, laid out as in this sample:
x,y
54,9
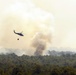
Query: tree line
x,y
11,64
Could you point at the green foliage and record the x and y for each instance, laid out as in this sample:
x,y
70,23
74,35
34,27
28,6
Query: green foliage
x,y
12,64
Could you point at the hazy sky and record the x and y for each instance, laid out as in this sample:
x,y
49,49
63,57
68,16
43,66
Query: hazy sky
x,y
65,20
54,16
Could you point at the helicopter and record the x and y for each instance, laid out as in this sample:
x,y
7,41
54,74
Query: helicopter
x,y
20,34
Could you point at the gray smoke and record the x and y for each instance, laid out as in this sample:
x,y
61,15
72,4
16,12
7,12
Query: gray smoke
x,y
39,49
40,43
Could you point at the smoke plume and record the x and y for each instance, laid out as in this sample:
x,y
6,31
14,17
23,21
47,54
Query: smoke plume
x,y
40,42
36,24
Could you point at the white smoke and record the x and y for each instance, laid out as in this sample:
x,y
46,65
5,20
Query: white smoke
x,y
36,24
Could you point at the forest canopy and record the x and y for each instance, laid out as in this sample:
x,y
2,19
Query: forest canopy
x,y
64,64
